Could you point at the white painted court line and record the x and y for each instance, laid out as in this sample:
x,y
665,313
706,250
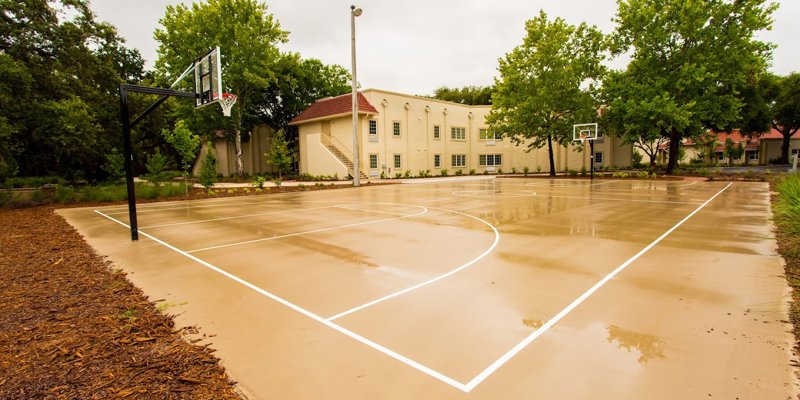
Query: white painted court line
x,y
200,221
436,279
391,353
188,206
424,210
572,186
589,197
549,324
372,211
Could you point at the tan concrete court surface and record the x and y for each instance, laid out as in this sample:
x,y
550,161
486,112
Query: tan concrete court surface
x,y
474,289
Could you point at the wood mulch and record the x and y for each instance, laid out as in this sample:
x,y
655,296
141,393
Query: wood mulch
x,y
71,327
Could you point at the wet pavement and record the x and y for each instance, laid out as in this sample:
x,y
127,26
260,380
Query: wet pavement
x,y
479,289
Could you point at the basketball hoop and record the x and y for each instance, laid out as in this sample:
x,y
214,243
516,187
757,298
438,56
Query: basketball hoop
x,y
582,138
226,101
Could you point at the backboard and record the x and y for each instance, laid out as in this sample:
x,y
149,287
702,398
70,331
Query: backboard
x,y
583,132
208,78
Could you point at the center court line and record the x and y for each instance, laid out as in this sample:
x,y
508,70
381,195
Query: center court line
x,y
424,210
391,353
558,317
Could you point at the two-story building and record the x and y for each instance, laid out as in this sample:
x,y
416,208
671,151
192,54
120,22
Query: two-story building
x,y
399,133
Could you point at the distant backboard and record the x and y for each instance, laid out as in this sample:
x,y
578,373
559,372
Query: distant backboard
x,y
208,78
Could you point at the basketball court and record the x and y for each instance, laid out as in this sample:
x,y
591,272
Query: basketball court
x,y
474,288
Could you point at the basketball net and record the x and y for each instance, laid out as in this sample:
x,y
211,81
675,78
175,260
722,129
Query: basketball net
x,y
583,138
226,101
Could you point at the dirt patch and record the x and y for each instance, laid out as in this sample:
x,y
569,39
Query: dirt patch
x,y
71,327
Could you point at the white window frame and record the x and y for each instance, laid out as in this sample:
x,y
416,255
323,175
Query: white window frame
x,y
437,132
490,160
458,157
372,157
437,161
485,134
598,153
397,129
752,156
373,127
458,133
720,156
398,161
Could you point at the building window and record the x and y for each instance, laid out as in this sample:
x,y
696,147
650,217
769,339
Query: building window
x,y
485,134
437,161
437,133
397,161
598,157
457,133
459,160
490,160
396,128
795,152
752,155
373,127
373,161
720,156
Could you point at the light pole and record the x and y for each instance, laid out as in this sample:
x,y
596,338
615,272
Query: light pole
x,y
354,12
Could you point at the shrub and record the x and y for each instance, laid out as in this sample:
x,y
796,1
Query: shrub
x,y
208,169
525,170
538,169
65,194
398,175
459,172
572,172
499,170
5,197
620,174
407,174
637,159
583,171
383,175
787,209
277,181
443,172
258,182
513,170
472,172
114,167
643,174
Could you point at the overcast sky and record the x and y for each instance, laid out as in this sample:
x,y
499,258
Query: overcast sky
x,y
416,46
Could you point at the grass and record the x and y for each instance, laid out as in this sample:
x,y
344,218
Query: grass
x,y
786,214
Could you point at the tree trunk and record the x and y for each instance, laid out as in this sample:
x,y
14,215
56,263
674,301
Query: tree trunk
x,y
550,154
787,137
239,164
652,160
674,142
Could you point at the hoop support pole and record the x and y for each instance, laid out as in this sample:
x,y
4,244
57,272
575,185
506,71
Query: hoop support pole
x,y
127,125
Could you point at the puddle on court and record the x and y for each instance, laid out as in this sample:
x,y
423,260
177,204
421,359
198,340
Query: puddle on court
x,y
649,346
532,323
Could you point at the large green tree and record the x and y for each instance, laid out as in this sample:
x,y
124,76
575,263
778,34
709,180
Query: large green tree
x,y
690,61
548,83
785,110
472,95
59,76
248,37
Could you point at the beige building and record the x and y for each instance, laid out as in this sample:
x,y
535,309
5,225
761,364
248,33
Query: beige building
x,y
400,133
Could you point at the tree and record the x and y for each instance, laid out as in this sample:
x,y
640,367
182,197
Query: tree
x,y
59,76
185,144
547,84
279,155
248,37
785,111
472,95
691,59
208,169
733,151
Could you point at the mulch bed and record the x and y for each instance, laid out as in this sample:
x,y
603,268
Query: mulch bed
x,y
73,328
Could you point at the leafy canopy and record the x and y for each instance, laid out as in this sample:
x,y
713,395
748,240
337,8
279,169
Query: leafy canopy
x,y
690,61
548,83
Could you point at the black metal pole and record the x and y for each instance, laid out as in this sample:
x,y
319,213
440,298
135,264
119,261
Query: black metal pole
x,y
128,154
591,160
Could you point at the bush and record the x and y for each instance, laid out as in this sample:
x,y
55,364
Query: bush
x,y
572,172
500,171
398,175
620,174
787,209
208,170
513,170
33,181
443,172
5,197
583,171
643,174
407,174
525,171
459,172
258,181
114,166
637,159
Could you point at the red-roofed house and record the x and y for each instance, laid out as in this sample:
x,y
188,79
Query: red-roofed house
x,y
403,134
758,150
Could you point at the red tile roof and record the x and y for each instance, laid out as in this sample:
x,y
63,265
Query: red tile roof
x,y
333,106
737,137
